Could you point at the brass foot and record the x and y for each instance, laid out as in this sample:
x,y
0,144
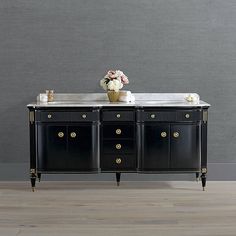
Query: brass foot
x,y
33,189
203,188
118,183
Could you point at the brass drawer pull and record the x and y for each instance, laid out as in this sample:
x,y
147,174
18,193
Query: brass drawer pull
x,y
163,134
187,116
118,160
118,115
153,116
118,146
118,131
49,116
73,134
60,134
176,134
84,116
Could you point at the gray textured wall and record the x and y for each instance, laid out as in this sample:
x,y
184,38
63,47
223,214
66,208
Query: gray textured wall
x,y
162,45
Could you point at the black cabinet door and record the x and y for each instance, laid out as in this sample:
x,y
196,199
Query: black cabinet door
x,y
81,149
156,146
67,148
185,148
52,147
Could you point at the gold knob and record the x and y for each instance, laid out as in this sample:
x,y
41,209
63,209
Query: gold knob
x,y
176,134
163,134
73,134
84,116
118,131
153,116
118,115
49,116
118,146
118,160
60,134
187,116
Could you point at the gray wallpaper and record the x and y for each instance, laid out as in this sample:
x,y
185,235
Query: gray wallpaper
x,y
162,45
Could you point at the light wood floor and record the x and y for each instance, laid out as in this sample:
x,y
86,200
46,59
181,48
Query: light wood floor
x,y
134,208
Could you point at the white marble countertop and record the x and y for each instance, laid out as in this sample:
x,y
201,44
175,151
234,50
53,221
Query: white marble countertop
x,y
142,100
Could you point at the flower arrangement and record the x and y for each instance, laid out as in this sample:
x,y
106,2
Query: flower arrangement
x,y
114,80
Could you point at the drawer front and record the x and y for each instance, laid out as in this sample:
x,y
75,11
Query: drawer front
x,y
179,115
118,146
118,115
118,131
60,116
158,116
118,162
186,115
84,116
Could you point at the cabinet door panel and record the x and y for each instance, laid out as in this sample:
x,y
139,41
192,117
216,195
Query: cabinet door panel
x,y
155,148
52,147
81,147
185,146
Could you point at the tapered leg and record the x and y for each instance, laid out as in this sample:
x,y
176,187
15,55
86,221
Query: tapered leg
x,y
33,180
203,177
39,176
118,178
197,176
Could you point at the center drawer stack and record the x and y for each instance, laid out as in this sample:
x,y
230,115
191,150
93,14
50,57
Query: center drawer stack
x,y
118,149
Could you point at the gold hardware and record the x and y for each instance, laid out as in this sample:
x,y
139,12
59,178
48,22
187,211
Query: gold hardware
x,y
187,116
73,134
32,171
118,115
118,160
118,131
60,134
118,146
176,134
31,117
163,134
84,116
49,116
153,116
204,170
205,116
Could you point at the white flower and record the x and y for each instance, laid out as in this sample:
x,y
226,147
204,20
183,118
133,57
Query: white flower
x,y
110,85
103,84
114,85
119,73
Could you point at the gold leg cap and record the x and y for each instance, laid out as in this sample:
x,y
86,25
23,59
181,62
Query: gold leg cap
x,y
203,189
33,189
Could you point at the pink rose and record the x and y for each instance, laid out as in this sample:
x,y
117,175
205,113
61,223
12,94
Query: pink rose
x,y
124,79
111,74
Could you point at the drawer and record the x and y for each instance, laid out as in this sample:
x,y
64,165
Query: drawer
x,y
61,116
118,115
117,131
186,115
118,146
118,162
179,115
158,116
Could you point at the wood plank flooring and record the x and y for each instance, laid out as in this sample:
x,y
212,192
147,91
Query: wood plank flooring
x,y
102,209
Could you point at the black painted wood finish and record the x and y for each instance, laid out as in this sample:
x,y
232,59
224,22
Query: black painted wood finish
x,y
142,140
